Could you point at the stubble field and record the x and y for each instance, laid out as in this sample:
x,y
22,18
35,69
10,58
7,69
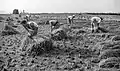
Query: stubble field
x,y
85,51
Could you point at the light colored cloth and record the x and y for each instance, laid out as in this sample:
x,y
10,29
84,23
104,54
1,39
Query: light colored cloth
x,y
56,30
96,19
53,22
32,23
32,28
70,19
28,16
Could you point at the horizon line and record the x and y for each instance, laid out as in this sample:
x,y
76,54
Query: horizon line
x,y
61,12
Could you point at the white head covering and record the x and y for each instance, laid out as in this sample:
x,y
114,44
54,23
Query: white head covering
x,y
27,16
61,23
73,15
96,19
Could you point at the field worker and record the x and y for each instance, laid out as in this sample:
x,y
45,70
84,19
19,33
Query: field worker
x,y
70,19
31,27
95,23
53,24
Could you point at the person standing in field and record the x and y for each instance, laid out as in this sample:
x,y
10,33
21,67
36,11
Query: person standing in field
x,y
95,23
70,19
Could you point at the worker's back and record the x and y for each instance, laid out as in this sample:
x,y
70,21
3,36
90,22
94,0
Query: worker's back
x,y
71,17
32,25
53,22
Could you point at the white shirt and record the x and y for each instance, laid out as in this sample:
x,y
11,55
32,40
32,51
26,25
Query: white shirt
x,y
53,22
70,17
96,19
34,23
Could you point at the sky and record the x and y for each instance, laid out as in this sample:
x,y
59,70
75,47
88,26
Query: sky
x,y
58,6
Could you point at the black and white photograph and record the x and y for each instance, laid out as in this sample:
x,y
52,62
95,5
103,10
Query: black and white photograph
x,y
59,35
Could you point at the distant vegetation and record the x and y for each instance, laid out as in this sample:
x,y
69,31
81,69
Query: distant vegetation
x,y
77,13
103,13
